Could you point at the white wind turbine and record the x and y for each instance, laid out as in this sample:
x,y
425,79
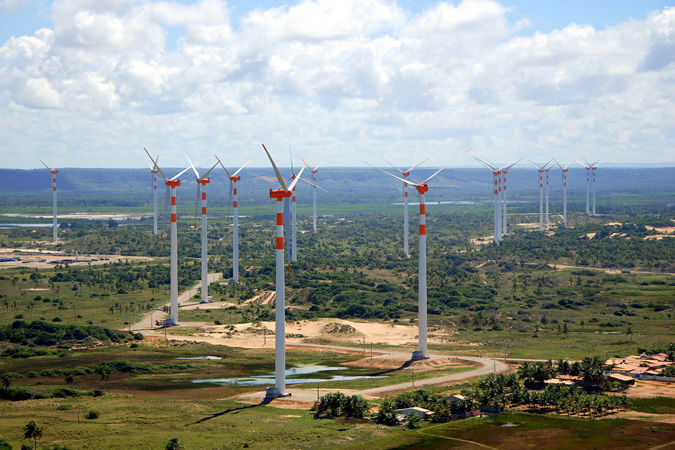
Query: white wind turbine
x,y
563,171
594,167
280,195
154,171
505,172
405,174
202,181
53,173
235,218
541,169
172,183
422,189
314,172
497,189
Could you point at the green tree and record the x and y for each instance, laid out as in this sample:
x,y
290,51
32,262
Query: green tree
x,y
174,444
32,431
412,420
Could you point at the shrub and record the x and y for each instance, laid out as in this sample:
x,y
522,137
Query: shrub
x,y
92,414
412,420
386,414
174,444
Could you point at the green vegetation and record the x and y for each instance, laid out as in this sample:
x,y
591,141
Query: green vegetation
x,y
337,404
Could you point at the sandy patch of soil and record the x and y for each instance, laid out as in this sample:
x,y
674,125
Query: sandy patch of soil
x,y
649,389
656,237
384,362
483,240
615,224
664,230
212,305
589,235
385,333
47,258
264,298
648,417
530,226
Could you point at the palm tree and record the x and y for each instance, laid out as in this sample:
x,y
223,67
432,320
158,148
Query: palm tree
x,y
32,431
6,380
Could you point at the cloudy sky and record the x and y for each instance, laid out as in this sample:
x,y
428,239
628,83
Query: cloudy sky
x,y
88,83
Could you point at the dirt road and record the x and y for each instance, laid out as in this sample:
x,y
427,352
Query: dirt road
x,y
147,322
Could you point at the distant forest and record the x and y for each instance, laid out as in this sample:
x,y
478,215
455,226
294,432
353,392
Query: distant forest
x,y
91,188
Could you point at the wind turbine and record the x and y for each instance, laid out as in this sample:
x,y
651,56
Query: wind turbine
x,y
202,181
594,167
153,169
235,219
314,171
172,183
496,176
405,174
547,197
564,170
422,189
541,169
53,171
505,172
284,192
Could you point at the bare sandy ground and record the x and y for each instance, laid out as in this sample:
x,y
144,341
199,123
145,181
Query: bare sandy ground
x,y
213,305
649,389
47,258
336,329
664,230
610,271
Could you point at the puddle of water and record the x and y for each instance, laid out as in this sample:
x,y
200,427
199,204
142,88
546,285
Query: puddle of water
x,y
290,377
196,358
507,425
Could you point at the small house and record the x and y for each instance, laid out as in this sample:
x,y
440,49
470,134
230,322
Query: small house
x,y
421,412
623,379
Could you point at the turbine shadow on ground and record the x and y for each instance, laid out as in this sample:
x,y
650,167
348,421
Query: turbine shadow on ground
x,y
384,372
229,411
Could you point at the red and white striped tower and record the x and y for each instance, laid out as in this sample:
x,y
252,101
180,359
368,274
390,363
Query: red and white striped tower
x,y
154,200
547,215
497,191
281,195
235,230
205,258
53,173
422,279
173,184
406,231
504,227
564,183
294,234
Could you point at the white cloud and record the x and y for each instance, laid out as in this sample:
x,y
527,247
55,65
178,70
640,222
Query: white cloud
x,y
343,76
12,6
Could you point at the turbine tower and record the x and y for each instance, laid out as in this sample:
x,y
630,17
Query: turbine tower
x,y
588,186
280,195
172,183
405,174
235,218
202,181
53,171
496,177
541,169
594,167
154,171
564,171
422,189
547,197
314,172
505,172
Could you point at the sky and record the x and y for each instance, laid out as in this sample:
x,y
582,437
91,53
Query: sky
x,y
89,83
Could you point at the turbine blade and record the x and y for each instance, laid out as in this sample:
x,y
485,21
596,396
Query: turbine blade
x,y
209,171
155,163
245,164
317,167
391,175
446,165
221,165
45,166
489,167
192,165
291,155
508,167
297,177
312,183
181,173
415,167
387,161
276,170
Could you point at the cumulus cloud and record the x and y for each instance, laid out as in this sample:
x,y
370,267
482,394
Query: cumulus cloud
x,y
344,77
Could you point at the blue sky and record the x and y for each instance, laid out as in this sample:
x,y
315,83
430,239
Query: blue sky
x,y
543,15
